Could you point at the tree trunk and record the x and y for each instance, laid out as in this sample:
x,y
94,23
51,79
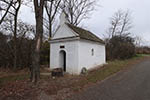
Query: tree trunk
x,y
35,69
50,36
15,34
35,73
15,42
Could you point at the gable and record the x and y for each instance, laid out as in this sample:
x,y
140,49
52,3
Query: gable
x,y
64,32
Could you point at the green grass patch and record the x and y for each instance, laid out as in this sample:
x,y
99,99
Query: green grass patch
x,y
106,71
111,68
7,79
142,55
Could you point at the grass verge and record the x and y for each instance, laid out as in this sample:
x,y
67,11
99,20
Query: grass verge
x,y
111,68
7,79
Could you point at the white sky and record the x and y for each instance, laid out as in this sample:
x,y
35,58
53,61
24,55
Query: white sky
x,y
99,21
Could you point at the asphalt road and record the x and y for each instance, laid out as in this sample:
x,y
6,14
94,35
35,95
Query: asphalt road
x,y
133,84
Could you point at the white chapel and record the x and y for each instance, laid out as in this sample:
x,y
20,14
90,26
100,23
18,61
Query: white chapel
x,y
73,48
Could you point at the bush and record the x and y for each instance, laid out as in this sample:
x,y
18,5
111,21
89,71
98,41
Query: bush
x,y
45,53
143,50
120,47
24,50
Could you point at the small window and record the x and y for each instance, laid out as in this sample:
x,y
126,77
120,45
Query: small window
x,y
62,46
92,51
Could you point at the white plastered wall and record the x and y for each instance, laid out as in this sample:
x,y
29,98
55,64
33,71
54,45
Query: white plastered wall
x,y
86,59
63,32
71,49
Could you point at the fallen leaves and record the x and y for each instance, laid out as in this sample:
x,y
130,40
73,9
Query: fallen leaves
x,y
19,89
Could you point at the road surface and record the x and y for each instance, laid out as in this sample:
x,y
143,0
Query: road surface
x,y
133,84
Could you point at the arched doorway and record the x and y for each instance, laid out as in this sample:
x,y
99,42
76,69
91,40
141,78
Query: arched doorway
x,y
62,60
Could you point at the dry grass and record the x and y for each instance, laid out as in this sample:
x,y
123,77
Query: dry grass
x,y
111,68
12,78
74,83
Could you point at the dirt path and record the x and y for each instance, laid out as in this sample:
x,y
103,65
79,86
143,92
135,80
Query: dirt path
x,y
133,84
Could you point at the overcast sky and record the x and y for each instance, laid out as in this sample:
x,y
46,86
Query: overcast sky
x,y
99,21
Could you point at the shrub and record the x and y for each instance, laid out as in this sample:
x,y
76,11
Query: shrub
x,y
120,47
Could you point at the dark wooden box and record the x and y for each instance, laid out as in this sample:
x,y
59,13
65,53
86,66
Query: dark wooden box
x,y
58,72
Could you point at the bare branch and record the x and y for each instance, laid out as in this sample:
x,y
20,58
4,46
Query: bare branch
x,y
7,10
78,10
120,23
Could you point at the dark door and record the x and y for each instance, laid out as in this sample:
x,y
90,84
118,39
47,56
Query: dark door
x,y
63,60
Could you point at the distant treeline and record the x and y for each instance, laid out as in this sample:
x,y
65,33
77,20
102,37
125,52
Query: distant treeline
x,y
143,50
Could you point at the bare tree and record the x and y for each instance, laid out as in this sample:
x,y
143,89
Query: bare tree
x,y
16,7
126,23
120,23
115,23
38,7
5,6
13,9
23,48
78,10
51,7
35,69
138,41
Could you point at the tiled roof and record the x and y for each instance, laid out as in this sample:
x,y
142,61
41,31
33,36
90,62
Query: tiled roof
x,y
84,34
